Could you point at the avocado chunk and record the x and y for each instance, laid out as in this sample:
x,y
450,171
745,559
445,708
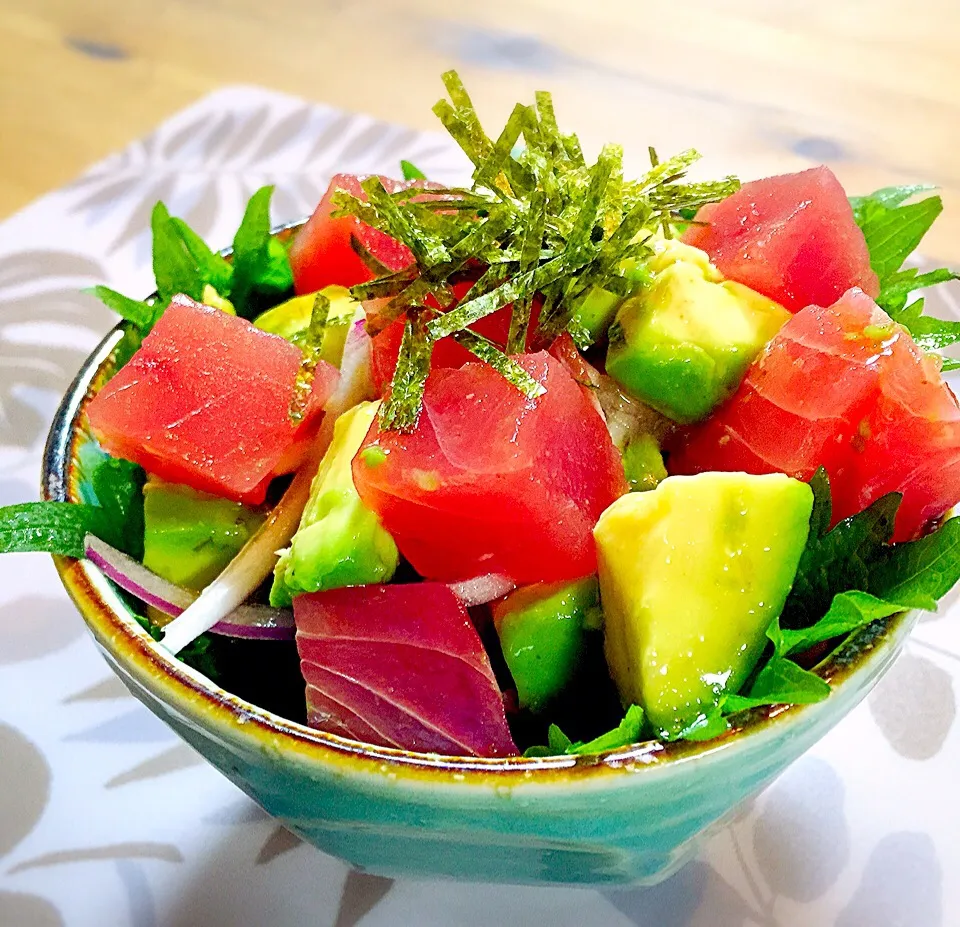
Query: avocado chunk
x,y
291,320
541,630
340,542
684,342
643,463
691,575
190,536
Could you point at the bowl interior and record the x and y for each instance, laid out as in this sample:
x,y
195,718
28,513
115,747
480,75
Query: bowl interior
x,y
68,454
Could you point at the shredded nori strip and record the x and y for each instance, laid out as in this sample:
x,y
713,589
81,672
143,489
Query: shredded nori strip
x,y
537,223
401,411
311,355
506,366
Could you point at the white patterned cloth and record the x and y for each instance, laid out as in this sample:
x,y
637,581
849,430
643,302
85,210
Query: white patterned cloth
x,y
107,819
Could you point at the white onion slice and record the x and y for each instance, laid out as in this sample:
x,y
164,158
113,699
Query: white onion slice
x,y
249,621
482,589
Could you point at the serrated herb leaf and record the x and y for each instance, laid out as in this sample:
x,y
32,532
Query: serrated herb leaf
x,y
137,312
780,682
893,234
918,573
212,268
848,611
893,228
118,486
822,513
897,287
627,732
891,197
261,268
54,527
411,171
708,725
839,560
173,266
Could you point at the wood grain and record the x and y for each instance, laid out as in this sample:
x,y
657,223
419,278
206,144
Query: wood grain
x,y
869,86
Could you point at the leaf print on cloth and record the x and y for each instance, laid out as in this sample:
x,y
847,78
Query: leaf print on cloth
x,y
165,852
34,625
914,706
20,807
47,328
169,761
20,910
109,688
901,885
136,726
800,838
669,904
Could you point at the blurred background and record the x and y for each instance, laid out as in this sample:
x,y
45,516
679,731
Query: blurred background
x,y
758,86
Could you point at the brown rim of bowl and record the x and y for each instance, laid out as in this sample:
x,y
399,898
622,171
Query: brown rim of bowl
x,y
104,611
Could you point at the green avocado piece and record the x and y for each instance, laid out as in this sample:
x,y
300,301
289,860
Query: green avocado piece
x,y
684,342
643,463
190,536
291,320
340,542
691,575
541,629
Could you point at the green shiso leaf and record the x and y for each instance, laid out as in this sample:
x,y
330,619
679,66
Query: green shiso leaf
x,y
54,527
411,171
261,268
625,733
839,561
893,234
889,197
898,286
139,313
918,573
213,269
893,228
848,578
628,731
173,266
780,682
848,611
118,487
310,346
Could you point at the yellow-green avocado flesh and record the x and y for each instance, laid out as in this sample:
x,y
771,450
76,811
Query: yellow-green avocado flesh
x,y
691,575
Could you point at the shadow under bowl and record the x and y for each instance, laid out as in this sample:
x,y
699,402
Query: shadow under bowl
x,y
629,817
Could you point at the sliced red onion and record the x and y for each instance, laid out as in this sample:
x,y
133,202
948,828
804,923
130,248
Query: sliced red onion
x,y
482,589
249,621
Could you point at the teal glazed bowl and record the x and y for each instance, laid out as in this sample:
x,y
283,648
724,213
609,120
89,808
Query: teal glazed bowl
x,y
629,817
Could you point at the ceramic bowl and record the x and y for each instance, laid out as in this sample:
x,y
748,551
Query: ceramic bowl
x,y
632,816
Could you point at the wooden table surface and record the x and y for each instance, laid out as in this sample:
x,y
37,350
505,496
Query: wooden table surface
x,y
870,86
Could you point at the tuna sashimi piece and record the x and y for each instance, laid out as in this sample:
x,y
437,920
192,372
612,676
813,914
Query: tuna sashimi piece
x,y
400,666
847,389
792,238
493,482
322,253
205,401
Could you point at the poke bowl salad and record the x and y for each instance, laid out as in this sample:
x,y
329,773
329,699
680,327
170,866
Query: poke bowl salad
x,y
556,462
